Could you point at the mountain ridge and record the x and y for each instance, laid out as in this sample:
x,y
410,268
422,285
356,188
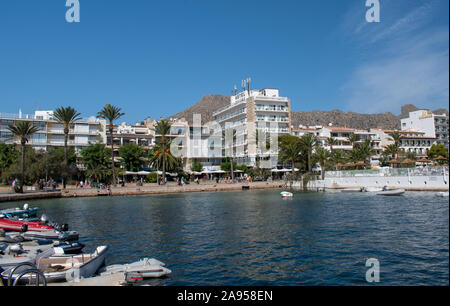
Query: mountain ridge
x,y
212,102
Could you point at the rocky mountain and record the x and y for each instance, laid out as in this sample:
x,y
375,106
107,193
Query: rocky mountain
x,y
348,119
206,106
210,103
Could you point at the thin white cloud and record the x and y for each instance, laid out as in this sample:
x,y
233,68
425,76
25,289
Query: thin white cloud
x,y
406,62
412,21
386,85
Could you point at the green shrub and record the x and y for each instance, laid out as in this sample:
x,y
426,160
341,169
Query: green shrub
x,y
151,178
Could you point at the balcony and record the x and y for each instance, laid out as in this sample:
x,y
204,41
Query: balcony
x,y
271,109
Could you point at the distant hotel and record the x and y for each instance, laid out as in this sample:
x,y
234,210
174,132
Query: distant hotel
x,y
51,133
252,110
432,125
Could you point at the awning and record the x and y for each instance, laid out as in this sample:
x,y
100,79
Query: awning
x,y
143,173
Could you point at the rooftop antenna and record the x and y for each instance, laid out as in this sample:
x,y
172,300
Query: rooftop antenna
x,y
235,90
244,84
249,82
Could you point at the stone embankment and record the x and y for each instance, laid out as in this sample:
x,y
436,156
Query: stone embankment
x,y
147,189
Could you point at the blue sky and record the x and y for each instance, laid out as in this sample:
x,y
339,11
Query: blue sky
x,y
156,58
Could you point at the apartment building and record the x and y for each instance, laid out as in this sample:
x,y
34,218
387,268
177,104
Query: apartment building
x,y
140,133
249,111
51,133
341,136
411,141
434,126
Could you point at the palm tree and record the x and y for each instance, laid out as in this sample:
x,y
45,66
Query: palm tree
x,y
163,158
66,116
309,142
291,152
353,139
111,113
396,137
331,142
162,128
337,157
322,156
22,130
392,150
366,150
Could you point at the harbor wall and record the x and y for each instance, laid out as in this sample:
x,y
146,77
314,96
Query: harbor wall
x,y
435,179
427,183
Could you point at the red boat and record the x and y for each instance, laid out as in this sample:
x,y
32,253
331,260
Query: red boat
x,y
23,226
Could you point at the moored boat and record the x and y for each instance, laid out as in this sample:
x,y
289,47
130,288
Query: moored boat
x,y
286,194
14,225
142,269
49,235
394,192
24,212
352,190
57,267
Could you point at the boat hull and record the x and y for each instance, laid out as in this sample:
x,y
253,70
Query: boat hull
x,y
10,225
84,270
391,193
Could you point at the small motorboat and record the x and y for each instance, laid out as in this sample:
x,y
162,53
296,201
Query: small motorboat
x,y
393,192
16,225
353,190
442,194
57,266
24,212
49,235
286,194
142,269
372,189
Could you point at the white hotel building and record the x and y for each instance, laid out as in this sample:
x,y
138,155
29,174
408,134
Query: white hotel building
x,y
432,125
51,133
248,111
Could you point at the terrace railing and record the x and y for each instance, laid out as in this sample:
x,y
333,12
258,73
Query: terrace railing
x,y
388,172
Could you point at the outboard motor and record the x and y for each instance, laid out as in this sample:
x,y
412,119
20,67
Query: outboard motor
x,y
65,227
63,236
25,206
16,249
24,228
44,219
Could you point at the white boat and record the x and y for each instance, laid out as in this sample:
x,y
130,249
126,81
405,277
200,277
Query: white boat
x,y
372,189
144,268
57,266
352,190
8,260
394,192
286,194
442,194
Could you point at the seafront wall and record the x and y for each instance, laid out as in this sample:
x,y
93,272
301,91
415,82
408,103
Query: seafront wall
x,y
140,190
419,179
424,183
6,197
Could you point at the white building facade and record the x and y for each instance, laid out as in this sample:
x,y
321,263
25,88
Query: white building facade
x,y
432,125
51,133
251,110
